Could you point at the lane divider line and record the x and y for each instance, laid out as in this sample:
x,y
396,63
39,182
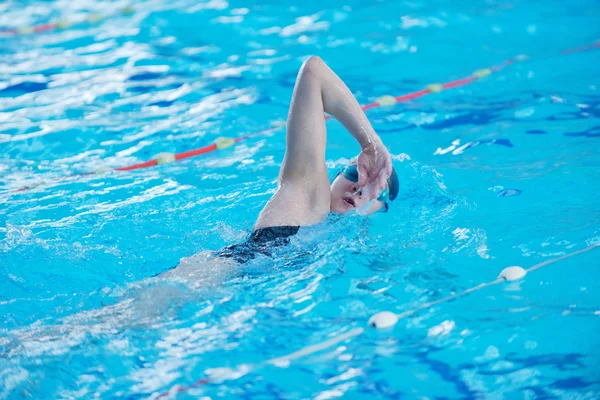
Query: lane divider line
x,y
381,320
382,101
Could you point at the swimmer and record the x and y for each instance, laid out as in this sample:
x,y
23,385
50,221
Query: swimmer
x,y
304,194
304,197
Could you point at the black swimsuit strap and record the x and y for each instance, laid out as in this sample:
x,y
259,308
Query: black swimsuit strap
x,y
272,233
261,241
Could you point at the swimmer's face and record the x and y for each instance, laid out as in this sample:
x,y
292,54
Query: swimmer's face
x,y
347,196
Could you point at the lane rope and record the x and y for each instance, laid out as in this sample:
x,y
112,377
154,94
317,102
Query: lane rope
x,y
63,23
381,320
222,143
385,319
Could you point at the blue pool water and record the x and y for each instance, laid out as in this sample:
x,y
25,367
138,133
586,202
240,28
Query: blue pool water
x,y
500,172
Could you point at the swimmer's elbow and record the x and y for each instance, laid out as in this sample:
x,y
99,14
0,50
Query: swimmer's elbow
x,y
314,64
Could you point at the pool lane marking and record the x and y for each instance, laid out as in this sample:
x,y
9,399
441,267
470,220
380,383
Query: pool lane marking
x,y
287,359
513,273
222,143
61,24
508,274
552,261
503,277
226,374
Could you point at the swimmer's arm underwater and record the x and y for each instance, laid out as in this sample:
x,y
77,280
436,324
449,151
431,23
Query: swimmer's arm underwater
x,y
303,194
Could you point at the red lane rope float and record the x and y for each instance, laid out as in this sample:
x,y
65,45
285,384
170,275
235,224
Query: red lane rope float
x,y
581,48
383,101
62,23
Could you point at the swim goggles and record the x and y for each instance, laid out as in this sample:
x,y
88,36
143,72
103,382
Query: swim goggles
x,y
351,173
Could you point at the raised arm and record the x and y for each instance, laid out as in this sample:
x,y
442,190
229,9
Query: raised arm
x,y
303,193
319,90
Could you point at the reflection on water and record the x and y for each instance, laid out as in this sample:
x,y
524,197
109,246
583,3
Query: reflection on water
x,y
493,174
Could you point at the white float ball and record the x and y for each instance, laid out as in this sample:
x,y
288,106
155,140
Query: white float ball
x,y
512,273
383,319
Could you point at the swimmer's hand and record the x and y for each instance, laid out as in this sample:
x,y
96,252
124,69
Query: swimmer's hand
x,y
374,168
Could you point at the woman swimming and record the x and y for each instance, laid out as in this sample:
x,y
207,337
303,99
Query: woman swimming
x,y
304,195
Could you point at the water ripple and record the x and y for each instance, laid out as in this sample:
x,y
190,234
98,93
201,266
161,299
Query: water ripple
x,y
83,313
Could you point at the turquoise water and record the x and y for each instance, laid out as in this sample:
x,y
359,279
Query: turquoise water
x,y
81,315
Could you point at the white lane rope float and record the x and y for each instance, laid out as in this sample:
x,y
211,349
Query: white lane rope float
x,y
380,320
386,319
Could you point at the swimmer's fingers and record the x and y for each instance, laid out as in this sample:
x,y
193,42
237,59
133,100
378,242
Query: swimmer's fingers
x,y
388,166
362,175
376,185
385,172
388,170
380,183
382,179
